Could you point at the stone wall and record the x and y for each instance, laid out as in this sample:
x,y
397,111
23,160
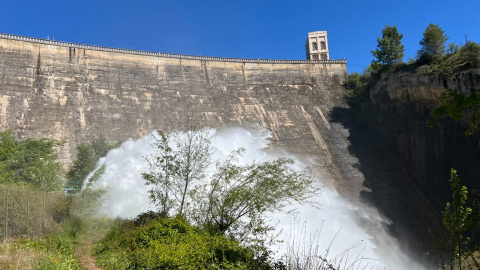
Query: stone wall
x,y
75,92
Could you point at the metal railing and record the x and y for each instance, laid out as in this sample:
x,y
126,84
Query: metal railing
x,y
169,55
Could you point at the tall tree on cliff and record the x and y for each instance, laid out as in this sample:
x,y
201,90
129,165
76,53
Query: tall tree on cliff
x,y
433,44
389,49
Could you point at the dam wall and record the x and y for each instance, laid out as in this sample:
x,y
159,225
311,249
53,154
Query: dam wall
x,y
75,92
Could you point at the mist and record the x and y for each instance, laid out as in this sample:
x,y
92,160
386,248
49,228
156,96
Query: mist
x,y
333,226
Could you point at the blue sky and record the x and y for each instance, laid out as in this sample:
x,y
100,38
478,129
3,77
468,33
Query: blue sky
x,y
244,29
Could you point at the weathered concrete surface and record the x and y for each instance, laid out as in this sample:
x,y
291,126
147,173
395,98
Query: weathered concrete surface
x,y
76,94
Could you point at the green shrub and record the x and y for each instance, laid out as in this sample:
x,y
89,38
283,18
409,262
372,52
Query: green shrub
x,y
87,158
60,252
53,252
32,162
162,243
62,209
74,227
470,55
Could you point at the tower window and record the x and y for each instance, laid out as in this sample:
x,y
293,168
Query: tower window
x,y
322,45
314,46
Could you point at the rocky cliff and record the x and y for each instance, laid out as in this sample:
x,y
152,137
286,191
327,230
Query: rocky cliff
x,y
407,164
426,154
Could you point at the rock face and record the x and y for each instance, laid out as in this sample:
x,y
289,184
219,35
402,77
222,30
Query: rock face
x,y
407,164
426,154
76,92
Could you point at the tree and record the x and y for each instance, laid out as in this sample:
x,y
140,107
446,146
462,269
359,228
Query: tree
x,y
470,55
180,162
87,158
233,198
160,176
389,49
81,167
240,195
31,161
459,107
461,223
433,44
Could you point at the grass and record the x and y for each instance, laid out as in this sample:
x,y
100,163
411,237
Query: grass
x,y
55,251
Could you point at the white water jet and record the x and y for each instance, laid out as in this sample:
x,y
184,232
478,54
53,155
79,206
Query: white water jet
x,y
335,222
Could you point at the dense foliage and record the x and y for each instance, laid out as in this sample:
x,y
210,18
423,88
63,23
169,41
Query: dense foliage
x,y
389,49
230,200
155,242
87,158
453,246
433,44
32,162
469,55
459,107
180,162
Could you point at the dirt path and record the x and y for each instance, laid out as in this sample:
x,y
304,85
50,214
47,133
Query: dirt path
x,y
84,249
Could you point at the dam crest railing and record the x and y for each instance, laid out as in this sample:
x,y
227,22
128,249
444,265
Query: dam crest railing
x,y
169,55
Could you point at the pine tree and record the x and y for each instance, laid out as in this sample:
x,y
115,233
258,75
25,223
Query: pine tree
x,y
389,49
433,44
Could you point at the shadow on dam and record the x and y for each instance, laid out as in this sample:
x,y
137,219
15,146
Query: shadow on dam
x,y
393,193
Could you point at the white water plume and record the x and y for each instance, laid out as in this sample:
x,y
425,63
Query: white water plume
x,y
333,226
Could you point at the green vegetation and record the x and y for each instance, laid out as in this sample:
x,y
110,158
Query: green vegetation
x,y
87,158
154,242
459,107
31,162
236,198
233,200
39,225
51,252
453,247
174,172
28,212
433,45
389,49
432,57
469,55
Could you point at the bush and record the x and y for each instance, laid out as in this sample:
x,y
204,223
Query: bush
x,y
32,162
470,55
162,243
62,209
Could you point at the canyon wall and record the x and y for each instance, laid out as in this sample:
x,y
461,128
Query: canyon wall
x,y
406,164
426,154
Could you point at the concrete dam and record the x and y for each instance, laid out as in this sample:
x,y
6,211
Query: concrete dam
x,y
75,92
